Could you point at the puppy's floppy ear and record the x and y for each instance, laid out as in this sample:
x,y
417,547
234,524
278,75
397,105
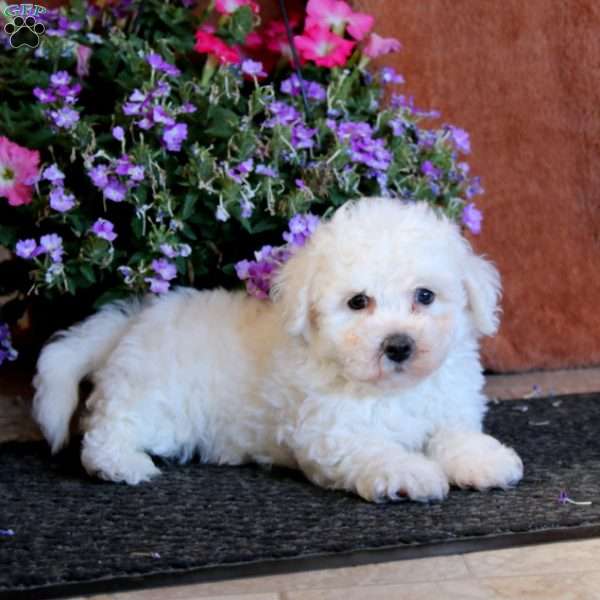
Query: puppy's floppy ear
x,y
482,282
291,290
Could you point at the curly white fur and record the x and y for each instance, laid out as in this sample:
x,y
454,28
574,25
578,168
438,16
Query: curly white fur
x,y
300,381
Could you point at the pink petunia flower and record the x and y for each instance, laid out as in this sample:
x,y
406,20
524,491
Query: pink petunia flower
x,y
378,46
208,43
338,15
19,170
323,47
228,7
83,54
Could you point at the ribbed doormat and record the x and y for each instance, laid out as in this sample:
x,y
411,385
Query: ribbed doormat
x,y
65,534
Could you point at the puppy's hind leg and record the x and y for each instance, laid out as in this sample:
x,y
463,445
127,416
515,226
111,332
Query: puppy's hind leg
x,y
112,455
112,446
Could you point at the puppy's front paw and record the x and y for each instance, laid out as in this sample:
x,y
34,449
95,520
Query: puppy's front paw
x,y
489,465
412,476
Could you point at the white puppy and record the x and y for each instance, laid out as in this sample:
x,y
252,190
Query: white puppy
x,y
363,371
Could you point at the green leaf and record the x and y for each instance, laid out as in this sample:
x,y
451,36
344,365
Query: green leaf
x,y
240,24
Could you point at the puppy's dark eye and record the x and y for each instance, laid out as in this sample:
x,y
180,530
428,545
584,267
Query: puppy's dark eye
x,y
358,302
424,296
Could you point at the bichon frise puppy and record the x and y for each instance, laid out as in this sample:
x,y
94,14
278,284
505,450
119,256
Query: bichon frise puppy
x,y
363,371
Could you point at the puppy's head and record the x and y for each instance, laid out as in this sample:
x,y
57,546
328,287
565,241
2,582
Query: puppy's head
x,y
385,290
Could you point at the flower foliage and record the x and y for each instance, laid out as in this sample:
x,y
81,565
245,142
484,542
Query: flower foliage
x,y
148,143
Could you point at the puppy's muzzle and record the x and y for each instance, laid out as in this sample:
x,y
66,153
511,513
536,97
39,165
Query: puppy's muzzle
x,y
398,347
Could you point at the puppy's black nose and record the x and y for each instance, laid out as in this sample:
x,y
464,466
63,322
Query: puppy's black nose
x,y
398,347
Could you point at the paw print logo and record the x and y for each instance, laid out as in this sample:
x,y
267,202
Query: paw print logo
x,y
24,32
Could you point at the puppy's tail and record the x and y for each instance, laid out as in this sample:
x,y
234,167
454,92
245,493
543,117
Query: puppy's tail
x,y
66,360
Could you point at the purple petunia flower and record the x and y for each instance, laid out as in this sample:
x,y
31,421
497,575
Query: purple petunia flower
x,y
292,86
283,114
60,78
265,170
157,62
160,115
51,244
238,172
158,285
301,227
247,207
44,96
104,229
173,252
118,133
221,214
61,201
362,147
164,268
460,139
187,108
174,136
475,188
408,103
53,174
258,274
472,218
169,251
64,117
99,176
69,93
7,352
114,190
253,68
302,136
389,75
26,249
430,170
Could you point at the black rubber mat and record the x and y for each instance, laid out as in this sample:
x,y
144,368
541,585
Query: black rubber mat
x,y
62,533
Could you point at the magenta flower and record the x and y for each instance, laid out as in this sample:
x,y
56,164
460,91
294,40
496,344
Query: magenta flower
x,y
61,201
323,47
338,15
472,218
19,170
104,229
26,249
378,46
174,135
